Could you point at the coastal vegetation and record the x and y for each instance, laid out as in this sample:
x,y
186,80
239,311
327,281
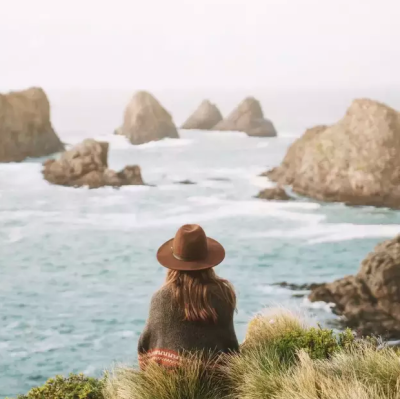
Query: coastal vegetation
x,y
282,357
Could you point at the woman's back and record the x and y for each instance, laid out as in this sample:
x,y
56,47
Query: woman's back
x,y
166,329
192,312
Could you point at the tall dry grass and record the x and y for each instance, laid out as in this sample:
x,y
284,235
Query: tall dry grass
x,y
281,358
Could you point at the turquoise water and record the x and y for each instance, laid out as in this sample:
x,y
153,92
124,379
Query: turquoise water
x,y
78,266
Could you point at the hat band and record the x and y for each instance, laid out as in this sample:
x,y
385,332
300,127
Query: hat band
x,y
182,259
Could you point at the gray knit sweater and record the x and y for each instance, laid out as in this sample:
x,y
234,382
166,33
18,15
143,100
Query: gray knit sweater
x,y
166,334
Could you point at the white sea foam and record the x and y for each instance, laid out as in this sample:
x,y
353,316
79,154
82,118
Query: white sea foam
x,y
226,209
324,232
345,232
289,135
16,234
262,182
206,200
211,183
274,289
327,307
165,143
225,135
203,209
27,215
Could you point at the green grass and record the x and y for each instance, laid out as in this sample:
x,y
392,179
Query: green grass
x,y
281,358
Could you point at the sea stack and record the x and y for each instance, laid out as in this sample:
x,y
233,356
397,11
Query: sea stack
x,y
355,161
86,165
146,120
370,300
205,117
25,126
248,117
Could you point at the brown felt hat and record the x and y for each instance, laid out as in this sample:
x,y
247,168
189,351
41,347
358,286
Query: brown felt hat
x,y
190,250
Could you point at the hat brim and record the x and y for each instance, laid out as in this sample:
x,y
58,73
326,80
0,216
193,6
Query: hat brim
x,y
216,254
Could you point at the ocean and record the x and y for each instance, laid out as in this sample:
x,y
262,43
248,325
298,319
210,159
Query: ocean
x,y
78,267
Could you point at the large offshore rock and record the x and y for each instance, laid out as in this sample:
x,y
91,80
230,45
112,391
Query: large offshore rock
x,y
86,165
146,120
248,117
355,161
25,126
206,116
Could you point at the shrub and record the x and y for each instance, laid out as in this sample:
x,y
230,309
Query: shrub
x,y
287,333
76,386
271,351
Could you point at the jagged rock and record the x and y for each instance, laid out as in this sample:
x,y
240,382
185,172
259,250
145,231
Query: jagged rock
x,y
86,165
248,117
25,126
370,300
298,287
276,194
355,161
188,182
205,117
146,120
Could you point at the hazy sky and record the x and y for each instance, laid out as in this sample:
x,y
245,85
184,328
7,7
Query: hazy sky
x,y
199,43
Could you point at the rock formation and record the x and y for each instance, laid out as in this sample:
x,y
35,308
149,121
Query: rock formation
x,y
297,287
204,118
185,182
370,300
275,193
146,120
25,126
86,165
355,161
248,118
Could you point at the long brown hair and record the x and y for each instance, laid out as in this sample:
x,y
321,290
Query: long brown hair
x,y
191,291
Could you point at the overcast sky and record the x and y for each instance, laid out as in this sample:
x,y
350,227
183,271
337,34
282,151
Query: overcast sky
x,y
179,44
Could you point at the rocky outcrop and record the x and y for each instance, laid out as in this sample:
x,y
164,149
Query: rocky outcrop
x,y
297,287
185,182
25,126
355,161
146,120
370,300
275,194
86,165
248,117
204,118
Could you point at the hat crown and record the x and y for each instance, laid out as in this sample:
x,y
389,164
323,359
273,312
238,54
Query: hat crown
x,y
190,243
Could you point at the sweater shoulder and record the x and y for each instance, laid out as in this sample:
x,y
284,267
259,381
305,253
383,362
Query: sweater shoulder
x,y
164,293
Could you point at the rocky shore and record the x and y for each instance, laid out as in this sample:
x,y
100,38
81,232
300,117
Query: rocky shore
x,y
370,300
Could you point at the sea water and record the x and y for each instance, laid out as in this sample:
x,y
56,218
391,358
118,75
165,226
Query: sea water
x,y
78,266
